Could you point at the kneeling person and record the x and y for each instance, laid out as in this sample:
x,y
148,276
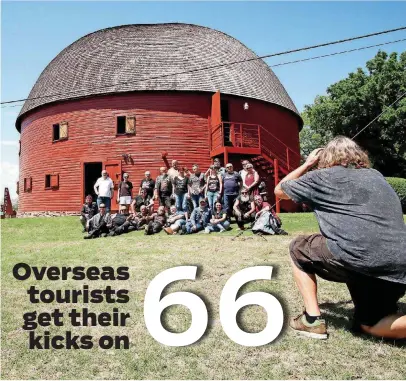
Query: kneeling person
x,y
244,209
362,241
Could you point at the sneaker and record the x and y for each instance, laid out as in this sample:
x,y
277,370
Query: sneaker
x,y
222,230
168,230
207,230
316,330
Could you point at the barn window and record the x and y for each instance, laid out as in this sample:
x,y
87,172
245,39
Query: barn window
x,y
126,125
27,184
51,181
60,131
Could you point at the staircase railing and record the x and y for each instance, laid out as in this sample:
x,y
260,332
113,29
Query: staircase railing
x,y
246,135
275,148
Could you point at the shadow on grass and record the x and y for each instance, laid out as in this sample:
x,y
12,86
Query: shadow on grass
x,y
340,317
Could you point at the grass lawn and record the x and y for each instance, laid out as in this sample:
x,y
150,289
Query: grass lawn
x,y
58,242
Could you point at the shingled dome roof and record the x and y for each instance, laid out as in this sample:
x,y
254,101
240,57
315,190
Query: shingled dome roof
x,y
123,58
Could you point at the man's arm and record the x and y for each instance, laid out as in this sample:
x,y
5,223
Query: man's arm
x,y
96,186
310,162
111,189
252,209
236,206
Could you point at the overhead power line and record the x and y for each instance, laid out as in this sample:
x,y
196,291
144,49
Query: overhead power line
x,y
338,53
215,66
377,117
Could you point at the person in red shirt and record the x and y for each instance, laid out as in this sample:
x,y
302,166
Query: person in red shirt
x,y
262,206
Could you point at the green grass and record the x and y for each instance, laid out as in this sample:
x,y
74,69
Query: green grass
x,y
58,242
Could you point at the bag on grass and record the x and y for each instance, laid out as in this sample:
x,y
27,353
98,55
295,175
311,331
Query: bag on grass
x,y
268,224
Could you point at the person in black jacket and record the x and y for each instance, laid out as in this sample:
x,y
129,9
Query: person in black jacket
x,y
89,209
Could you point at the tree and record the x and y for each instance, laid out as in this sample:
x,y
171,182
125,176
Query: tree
x,y
353,102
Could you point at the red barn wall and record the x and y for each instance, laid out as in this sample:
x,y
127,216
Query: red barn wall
x,y
176,123
167,121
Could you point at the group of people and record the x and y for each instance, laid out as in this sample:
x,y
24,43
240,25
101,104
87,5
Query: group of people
x,y
189,202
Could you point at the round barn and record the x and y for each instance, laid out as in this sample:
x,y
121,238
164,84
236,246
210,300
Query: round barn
x,y
132,98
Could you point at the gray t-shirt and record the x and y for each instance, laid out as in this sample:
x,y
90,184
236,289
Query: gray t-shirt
x,y
361,217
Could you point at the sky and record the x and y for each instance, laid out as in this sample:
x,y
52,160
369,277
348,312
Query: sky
x,y
33,33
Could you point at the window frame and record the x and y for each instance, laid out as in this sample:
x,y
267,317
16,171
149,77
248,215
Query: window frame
x,y
52,176
59,124
126,132
27,184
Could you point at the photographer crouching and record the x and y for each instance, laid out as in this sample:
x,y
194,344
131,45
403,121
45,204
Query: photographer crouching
x,y
362,241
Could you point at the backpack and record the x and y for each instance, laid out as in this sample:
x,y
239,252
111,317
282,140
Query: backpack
x,y
268,224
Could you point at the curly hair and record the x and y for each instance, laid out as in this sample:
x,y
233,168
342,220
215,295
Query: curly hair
x,y
345,152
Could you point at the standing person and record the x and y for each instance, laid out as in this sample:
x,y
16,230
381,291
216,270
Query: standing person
x,y
214,187
196,185
173,171
244,171
251,180
199,218
140,200
104,188
244,209
163,189
217,166
125,191
232,183
148,184
98,225
219,221
89,209
362,241
180,189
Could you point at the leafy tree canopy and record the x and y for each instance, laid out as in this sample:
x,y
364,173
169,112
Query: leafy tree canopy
x,y
353,102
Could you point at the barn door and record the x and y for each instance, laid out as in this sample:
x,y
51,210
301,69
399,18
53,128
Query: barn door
x,y
113,168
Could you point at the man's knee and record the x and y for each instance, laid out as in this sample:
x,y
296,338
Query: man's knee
x,y
293,248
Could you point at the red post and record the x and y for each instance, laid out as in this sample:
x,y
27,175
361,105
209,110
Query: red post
x,y
276,175
242,142
259,136
225,156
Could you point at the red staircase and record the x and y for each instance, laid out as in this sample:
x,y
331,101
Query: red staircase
x,y
254,140
270,156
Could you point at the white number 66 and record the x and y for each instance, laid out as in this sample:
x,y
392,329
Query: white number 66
x,y
229,307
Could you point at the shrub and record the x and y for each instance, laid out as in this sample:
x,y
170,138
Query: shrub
x,y
399,185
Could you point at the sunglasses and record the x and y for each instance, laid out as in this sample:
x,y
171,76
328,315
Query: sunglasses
x,y
244,192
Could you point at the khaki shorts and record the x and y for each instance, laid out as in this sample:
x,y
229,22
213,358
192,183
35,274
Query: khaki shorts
x,y
373,298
